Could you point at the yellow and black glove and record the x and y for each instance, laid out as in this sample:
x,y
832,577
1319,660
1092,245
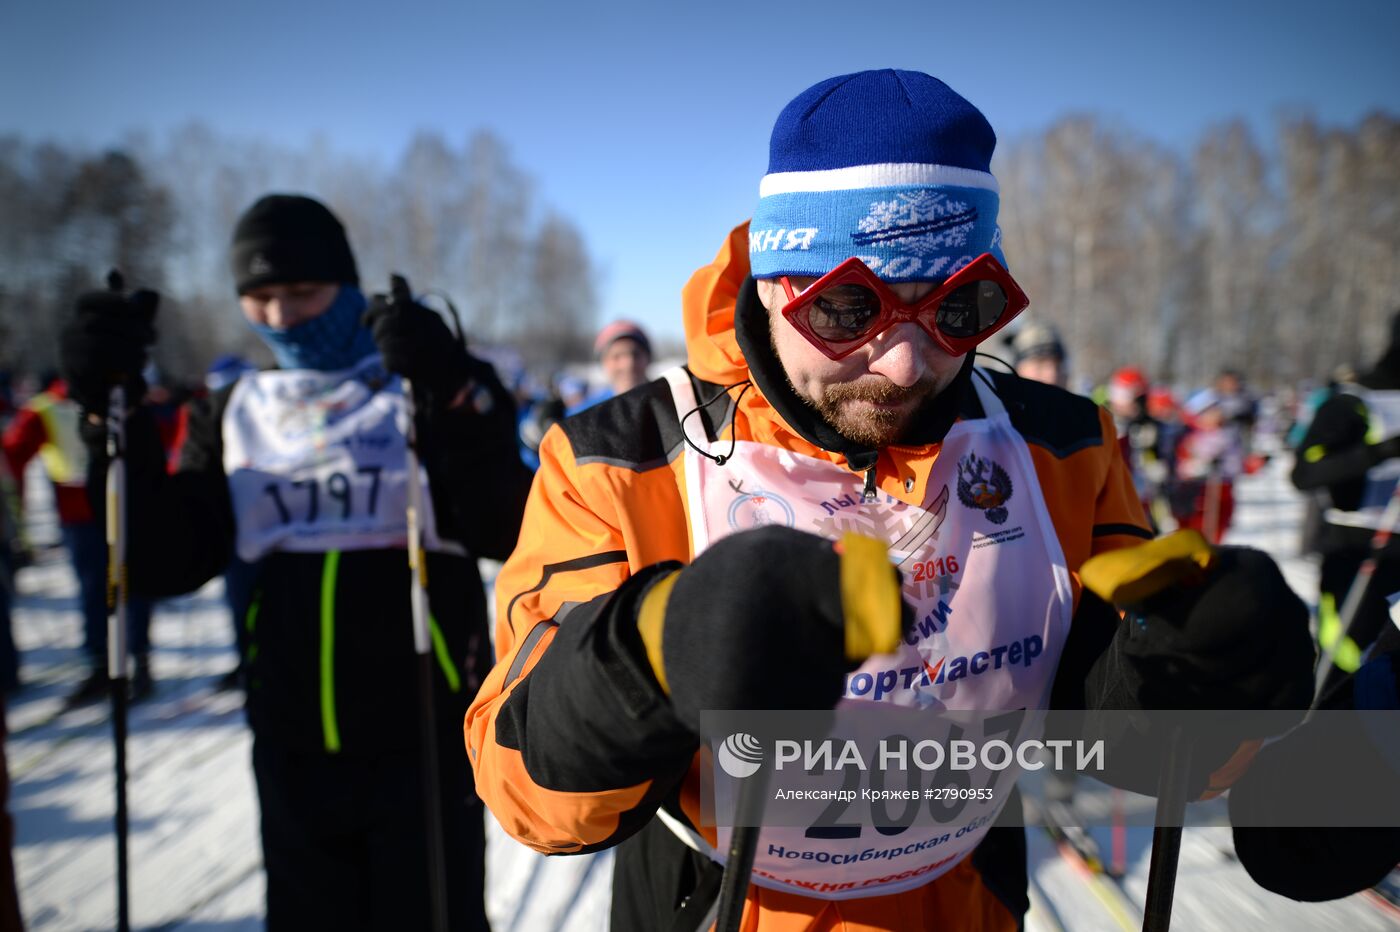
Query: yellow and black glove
x,y
772,618
1206,628
1202,628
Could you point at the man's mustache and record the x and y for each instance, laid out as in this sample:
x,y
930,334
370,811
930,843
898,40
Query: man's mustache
x,y
878,391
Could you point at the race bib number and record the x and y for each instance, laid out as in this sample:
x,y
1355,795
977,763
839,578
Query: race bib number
x,y
317,461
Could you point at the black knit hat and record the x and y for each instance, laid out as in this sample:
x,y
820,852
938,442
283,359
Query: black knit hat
x,y
290,238
1036,339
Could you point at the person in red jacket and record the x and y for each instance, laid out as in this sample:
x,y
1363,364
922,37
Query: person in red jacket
x,y
47,426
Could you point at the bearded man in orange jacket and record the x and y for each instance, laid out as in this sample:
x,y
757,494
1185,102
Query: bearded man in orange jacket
x,y
677,549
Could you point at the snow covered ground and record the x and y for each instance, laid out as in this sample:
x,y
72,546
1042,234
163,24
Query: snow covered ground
x,y
195,857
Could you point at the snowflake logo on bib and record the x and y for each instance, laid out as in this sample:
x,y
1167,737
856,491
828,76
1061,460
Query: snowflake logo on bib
x,y
985,486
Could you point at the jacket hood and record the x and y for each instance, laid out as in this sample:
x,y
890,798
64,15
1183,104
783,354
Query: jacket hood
x,y
707,302
713,353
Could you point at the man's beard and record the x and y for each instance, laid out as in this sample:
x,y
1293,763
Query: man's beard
x,y
872,426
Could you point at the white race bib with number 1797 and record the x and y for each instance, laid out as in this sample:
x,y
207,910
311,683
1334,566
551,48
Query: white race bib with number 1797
x,y
316,461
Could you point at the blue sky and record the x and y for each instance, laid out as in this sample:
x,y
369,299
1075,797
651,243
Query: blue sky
x,y
647,124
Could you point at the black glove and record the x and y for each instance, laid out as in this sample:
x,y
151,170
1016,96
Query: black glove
x,y
416,343
757,622
544,415
1332,763
1237,640
105,344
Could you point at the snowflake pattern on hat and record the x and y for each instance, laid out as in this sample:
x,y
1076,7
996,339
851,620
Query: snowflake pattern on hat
x,y
889,166
919,222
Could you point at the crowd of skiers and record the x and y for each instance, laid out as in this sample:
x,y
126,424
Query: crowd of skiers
x,y
669,549
1185,450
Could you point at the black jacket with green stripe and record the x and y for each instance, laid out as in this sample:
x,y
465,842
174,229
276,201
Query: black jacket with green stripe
x,y
331,663
1334,456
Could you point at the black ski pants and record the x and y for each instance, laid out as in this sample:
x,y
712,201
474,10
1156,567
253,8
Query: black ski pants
x,y
343,839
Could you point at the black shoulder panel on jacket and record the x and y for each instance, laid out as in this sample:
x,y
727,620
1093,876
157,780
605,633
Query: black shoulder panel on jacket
x,y
639,430
1049,417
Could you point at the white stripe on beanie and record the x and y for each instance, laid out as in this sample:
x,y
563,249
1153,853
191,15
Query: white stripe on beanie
x,y
886,175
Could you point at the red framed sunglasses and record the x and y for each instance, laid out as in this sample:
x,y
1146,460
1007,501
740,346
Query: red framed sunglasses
x,y
849,306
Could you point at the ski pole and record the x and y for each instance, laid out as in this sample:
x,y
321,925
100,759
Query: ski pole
x,y
877,637
1118,862
422,644
743,846
1210,520
116,627
1125,578
1166,833
1390,521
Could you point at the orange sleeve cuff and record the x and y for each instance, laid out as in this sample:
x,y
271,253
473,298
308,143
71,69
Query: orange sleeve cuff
x,y
1225,776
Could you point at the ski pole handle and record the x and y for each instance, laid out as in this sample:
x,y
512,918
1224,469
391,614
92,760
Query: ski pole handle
x,y
116,532
116,632
871,605
1126,577
417,561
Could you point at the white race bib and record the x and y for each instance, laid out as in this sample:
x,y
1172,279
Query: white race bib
x,y
317,461
983,569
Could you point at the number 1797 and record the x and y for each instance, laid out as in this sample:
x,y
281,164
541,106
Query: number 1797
x,y
338,488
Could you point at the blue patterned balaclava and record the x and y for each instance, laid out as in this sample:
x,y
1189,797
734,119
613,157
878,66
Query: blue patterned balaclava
x,y
890,166
333,340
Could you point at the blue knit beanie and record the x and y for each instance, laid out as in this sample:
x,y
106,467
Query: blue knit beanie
x,y
890,166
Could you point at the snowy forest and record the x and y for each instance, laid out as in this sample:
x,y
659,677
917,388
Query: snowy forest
x,y
1276,256
462,221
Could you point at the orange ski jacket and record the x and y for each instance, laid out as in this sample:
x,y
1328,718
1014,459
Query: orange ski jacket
x,y
572,742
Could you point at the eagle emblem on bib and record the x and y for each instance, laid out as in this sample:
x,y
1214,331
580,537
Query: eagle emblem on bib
x,y
984,485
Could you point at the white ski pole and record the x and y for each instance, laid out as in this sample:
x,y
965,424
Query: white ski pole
x,y
1390,521
423,645
116,627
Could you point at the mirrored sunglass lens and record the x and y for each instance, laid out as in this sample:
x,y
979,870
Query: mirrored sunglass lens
x,y
972,308
843,313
